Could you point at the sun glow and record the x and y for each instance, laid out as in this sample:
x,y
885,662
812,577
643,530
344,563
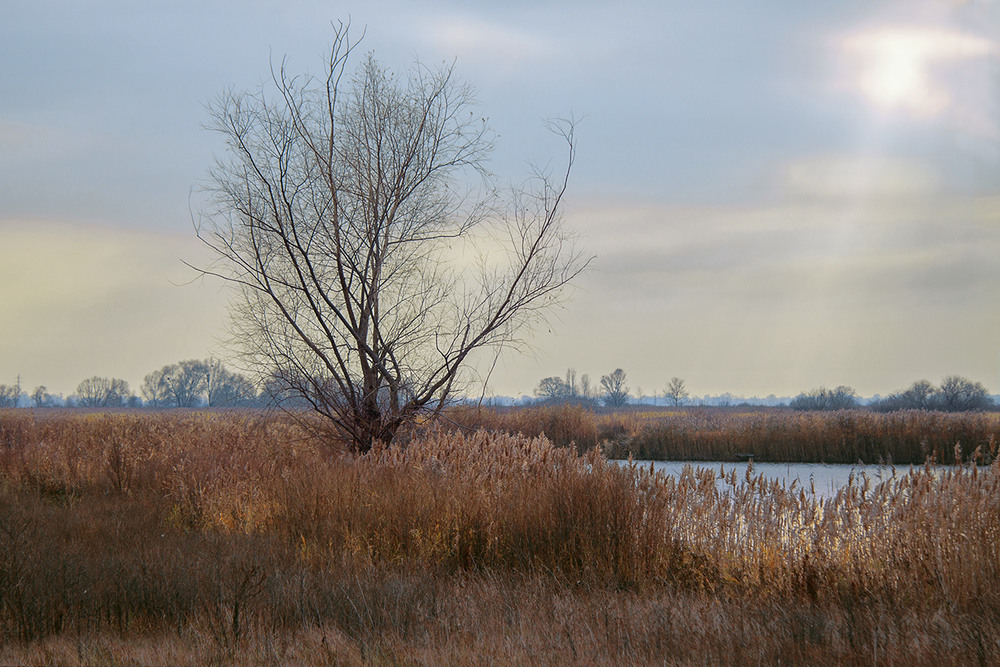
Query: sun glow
x,y
905,69
897,77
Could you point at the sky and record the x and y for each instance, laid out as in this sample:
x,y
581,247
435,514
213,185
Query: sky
x,y
797,195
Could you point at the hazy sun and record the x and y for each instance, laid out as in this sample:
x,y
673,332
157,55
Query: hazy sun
x,y
898,68
897,77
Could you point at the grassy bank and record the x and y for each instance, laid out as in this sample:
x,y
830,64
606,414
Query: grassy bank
x,y
768,435
233,539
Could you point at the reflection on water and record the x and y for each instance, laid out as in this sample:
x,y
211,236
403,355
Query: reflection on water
x,y
825,478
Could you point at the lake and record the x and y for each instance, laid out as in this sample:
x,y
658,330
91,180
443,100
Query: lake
x,y
826,478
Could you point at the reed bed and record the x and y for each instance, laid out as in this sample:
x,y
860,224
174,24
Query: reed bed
x,y
237,538
766,435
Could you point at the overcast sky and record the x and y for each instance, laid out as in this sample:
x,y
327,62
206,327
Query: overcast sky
x,y
797,195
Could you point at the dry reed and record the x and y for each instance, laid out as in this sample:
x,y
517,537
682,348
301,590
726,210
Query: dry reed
x,y
233,538
722,434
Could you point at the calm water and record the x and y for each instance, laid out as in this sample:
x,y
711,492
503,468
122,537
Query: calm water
x,y
827,479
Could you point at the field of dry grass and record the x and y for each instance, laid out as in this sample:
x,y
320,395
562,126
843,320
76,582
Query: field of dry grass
x,y
769,435
228,538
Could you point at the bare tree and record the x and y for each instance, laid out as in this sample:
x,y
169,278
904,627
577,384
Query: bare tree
x,y
226,389
841,398
41,397
553,390
958,394
8,396
676,391
586,390
615,391
102,392
368,269
180,385
155,390
921,395
571,382
188,382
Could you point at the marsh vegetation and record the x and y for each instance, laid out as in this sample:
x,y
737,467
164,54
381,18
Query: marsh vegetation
x,y
766,435
234,538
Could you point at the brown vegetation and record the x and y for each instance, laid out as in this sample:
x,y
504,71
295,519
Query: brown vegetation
x,y
233,538
766,435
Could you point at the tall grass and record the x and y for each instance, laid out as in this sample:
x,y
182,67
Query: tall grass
x,y
774,435
237,538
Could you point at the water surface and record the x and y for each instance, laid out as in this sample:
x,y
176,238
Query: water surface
x,y
825,478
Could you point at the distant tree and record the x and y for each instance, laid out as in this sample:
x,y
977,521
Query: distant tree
x,y
180,385
226,389
8,396
956,394
586,391
194,382
810,400
552,389
188,382
102,392
615,391
921,395
155,390
571,382
841,398
676,391
959,394
274,392
41,398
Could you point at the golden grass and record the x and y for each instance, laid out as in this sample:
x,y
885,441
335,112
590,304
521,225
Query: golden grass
x,y
719,434
231,538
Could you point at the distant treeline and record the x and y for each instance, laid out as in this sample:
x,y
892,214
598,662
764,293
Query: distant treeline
x,y
208,383
187,384
954,394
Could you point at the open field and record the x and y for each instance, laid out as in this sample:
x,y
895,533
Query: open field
x,y
227,538
768,434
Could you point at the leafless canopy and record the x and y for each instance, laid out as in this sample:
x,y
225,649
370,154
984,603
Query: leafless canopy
x,y
369,268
